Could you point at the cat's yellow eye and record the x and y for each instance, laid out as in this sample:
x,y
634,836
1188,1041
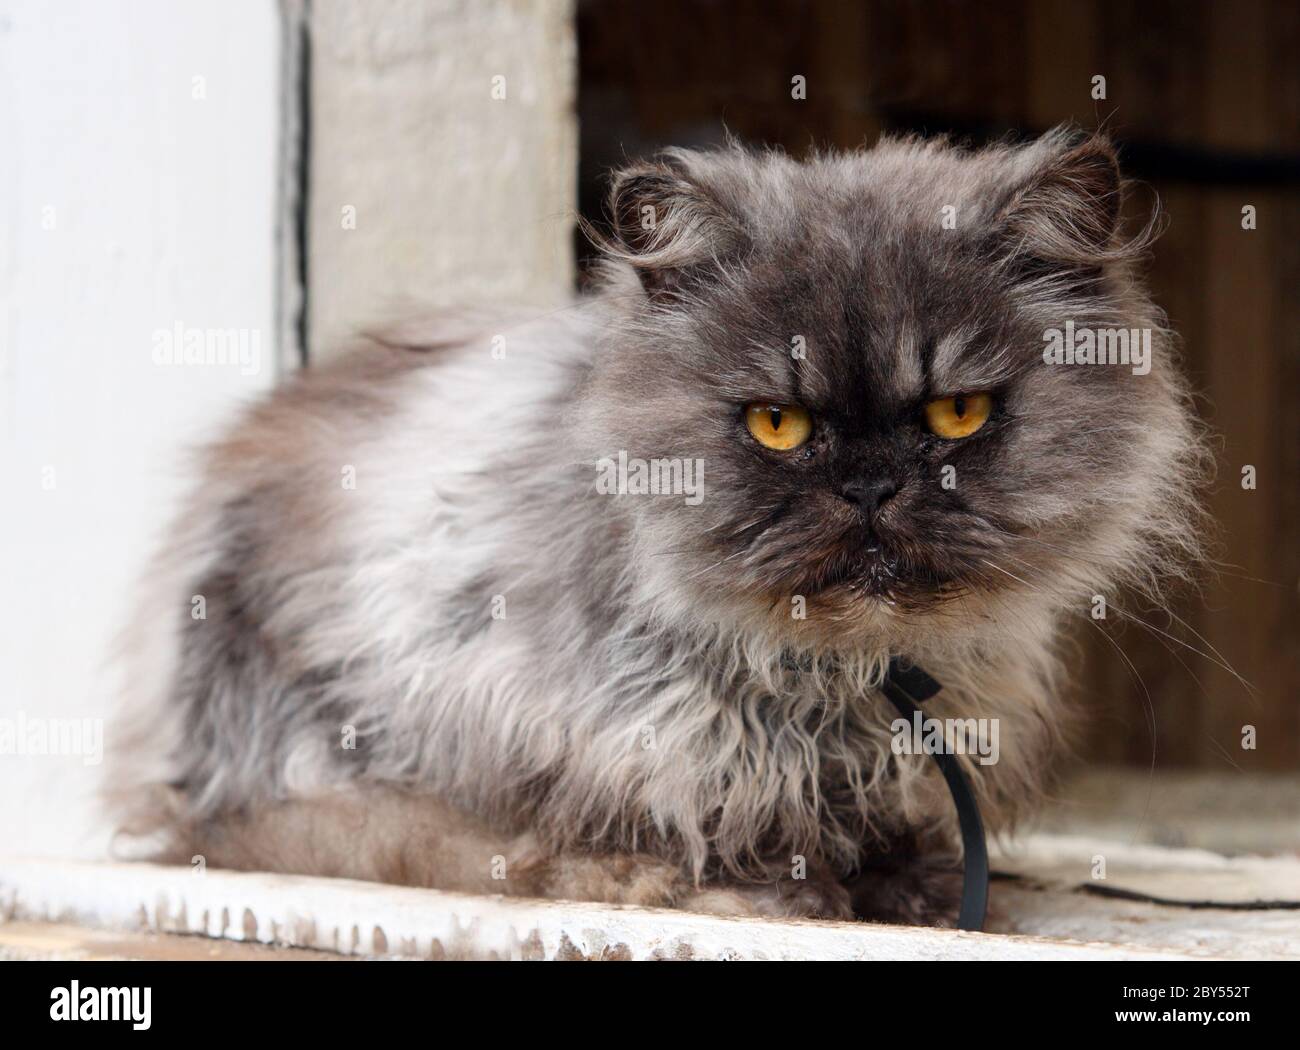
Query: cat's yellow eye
x,y
781,427
958,416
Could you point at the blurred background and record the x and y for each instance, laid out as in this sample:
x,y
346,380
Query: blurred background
x,y
293,170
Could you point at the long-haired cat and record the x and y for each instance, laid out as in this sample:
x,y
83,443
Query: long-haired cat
x,y
595,604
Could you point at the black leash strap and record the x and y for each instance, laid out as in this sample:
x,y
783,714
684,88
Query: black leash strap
x,y
908,686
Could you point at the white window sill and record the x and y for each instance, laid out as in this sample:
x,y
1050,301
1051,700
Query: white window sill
x,y
1040,915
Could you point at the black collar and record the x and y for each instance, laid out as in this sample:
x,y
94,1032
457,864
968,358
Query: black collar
x,y
907,685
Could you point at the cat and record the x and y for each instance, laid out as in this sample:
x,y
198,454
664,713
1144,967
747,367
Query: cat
x,y
413,628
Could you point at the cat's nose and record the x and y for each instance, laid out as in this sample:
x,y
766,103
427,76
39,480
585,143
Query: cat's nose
x,y
870,496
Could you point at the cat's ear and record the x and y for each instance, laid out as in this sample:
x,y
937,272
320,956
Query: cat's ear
x,y
1067,210
667,224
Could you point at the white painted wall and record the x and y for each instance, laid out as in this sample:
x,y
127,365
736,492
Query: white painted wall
x,y
444,158
127,205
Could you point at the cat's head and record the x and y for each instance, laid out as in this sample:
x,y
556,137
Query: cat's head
x,y
852,351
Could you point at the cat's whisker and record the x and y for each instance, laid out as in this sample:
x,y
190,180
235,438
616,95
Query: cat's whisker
x,y
1165,644
1201,638
721,561
1028,586
1220,663
1214,656
1224,752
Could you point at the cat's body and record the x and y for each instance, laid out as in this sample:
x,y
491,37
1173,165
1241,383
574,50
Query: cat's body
x,y
433,650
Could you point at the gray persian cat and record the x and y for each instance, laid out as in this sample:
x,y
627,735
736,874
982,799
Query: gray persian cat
x,y
595,605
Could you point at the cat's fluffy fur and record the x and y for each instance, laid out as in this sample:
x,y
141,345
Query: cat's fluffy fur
x,y
643,718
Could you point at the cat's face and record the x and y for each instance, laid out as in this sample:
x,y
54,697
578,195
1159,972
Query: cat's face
x,y
852,350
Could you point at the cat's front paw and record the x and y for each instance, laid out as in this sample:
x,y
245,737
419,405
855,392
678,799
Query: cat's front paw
x,y
912,894
787,898
615,878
